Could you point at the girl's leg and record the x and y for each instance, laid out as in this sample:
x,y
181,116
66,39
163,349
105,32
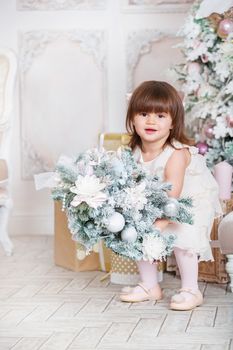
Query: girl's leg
x,y
148,288
148,274
188,267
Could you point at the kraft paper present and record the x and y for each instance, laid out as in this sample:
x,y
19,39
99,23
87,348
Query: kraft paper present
x,y
65,249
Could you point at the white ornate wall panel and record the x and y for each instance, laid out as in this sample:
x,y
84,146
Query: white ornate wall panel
x,y
159,6
150,56
55,5
62,111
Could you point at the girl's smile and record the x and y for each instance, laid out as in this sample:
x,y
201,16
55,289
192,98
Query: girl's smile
x,y
150,131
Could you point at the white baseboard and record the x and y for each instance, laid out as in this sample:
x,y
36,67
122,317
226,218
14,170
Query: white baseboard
x,y
31,225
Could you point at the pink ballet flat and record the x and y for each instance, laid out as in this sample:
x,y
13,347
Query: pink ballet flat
x,y
126,290
178,301
146,294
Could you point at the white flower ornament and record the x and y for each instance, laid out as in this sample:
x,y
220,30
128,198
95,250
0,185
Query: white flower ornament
x,y
88,189
153,248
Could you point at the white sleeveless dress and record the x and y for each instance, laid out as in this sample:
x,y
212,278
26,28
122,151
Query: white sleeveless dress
x,y
200,185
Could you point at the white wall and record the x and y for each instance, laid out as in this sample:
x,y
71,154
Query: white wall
x,y
75,67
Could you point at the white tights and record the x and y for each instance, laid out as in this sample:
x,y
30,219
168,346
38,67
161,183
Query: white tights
x,y
188,267
148,273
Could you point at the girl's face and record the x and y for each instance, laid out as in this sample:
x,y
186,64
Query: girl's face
x,y
152,127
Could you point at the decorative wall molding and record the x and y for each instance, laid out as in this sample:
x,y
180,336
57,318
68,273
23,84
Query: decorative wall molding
x,y
140,43
56,5
33,44
160,6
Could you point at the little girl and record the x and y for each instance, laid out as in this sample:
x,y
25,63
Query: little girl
x,y
155,119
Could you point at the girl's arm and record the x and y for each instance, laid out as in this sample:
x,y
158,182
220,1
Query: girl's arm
x,y
174,173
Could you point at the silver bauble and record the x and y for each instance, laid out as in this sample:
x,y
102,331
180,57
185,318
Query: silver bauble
x,y
129,234
171,208
116,222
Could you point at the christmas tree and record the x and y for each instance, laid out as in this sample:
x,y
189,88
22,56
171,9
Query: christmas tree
x,y
207,78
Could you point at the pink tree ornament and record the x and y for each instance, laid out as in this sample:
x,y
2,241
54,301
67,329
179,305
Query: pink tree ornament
x,y
225,28
209,131
202,147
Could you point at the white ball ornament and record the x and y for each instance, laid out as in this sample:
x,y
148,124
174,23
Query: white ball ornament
x,y
116,223
171,208
81,254
129,235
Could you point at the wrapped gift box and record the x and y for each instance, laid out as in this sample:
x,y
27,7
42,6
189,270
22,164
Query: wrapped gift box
x,y
125,271
65,249
112,141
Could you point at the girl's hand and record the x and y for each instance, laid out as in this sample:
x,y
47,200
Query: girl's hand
x,y
161,224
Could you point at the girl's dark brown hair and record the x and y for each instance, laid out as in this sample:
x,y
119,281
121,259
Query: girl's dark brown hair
x,y
157,97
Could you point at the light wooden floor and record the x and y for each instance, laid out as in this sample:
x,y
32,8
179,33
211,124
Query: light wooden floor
x,y
49,308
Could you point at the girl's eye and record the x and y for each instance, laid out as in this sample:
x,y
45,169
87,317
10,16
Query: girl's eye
x,y
143,114
161,116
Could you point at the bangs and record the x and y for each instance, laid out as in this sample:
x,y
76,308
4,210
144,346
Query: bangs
x,y
157,101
